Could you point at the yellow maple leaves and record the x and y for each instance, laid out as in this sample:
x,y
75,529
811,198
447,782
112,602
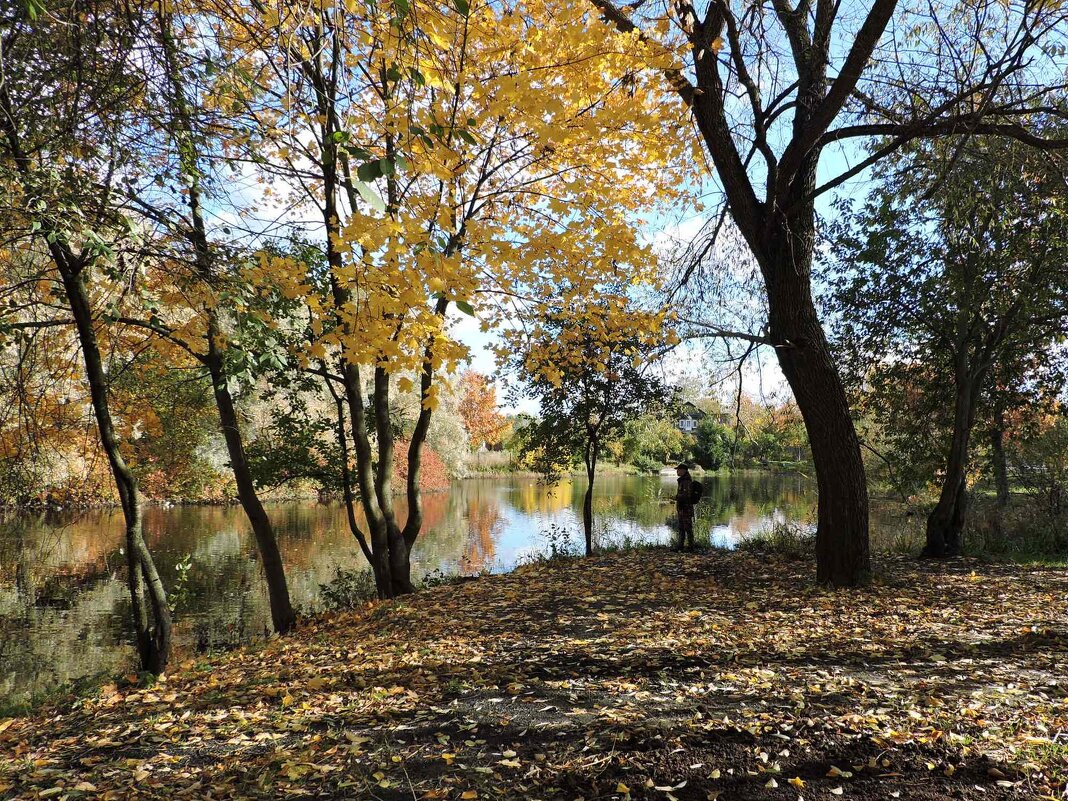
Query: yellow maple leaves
x,y
488,158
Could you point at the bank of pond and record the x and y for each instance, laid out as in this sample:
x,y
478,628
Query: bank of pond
x,y
64,609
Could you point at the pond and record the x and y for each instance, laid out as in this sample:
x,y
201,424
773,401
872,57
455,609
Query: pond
x,y
64,607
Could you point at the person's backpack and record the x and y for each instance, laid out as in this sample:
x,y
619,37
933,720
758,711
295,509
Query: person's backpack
x,y
697,489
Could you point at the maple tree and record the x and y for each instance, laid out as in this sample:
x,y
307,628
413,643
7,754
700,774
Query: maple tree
x,y
769,90
591,373
485,425
452,164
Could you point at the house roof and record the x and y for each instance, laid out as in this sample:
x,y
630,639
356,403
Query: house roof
x,y
688,409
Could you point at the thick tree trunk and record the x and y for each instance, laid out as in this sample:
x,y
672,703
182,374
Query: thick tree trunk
x,y
997,459
946,521
842,551
151,615
282,615
400,564
365,478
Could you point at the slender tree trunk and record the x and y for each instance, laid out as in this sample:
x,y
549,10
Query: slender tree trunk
x,y
587,512
282,615
151,615
997,459
414,524
946,521
842,551
365,478
587,500
400,564
182,132
346,474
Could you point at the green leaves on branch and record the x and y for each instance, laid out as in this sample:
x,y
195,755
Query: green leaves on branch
x,y
370,196
378,168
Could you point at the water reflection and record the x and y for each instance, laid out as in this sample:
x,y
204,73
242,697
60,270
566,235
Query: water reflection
x,y
64,609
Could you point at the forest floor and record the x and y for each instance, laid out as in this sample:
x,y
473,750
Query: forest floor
x,y
636,675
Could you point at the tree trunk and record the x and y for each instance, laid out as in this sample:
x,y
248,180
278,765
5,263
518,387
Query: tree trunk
x,y
414,524
587,514
365,478
182,131
842,552
997,459
587,500
151,615
282,615
400,564
946,521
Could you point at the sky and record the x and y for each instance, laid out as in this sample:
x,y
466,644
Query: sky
x,y
689,366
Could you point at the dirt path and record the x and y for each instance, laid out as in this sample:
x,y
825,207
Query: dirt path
x,y
645,674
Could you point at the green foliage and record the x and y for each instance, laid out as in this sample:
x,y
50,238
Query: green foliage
x,y
653,440
348,589
783,538
180,592
644,463
1021,533
944,300
439,578
712,444
590,398
295,445
1039,457
169,418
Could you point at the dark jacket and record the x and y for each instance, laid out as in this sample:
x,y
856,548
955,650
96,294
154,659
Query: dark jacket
x,y
684,498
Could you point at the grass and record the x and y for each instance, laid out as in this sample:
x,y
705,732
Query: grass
x,y
785,538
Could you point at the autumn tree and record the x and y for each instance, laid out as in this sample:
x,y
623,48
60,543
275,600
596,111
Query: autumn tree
x,y
452,166
65,87
196,260
590,375
952,274
772,87
483,422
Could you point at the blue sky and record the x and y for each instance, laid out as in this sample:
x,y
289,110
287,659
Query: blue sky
x,y
688,366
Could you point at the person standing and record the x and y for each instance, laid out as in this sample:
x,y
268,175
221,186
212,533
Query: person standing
x,y
684,506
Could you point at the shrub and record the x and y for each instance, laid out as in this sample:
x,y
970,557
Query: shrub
x,y
644,463
1020,532
348,589
785,538
439,578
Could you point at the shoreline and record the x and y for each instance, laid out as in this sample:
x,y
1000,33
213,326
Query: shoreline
x,y
298,497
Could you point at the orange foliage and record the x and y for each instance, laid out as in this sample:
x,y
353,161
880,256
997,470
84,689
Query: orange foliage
x,y
478,408
433,477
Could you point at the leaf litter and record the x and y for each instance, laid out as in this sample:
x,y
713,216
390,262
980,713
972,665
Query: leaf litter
x,y
636,675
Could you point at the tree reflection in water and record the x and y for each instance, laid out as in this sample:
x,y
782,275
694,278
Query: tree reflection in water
x,y
62,613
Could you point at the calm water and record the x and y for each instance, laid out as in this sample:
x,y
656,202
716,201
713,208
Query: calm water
x,y
64,607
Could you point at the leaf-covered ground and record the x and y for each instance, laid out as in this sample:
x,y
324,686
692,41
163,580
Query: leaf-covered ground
x,y
645,674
